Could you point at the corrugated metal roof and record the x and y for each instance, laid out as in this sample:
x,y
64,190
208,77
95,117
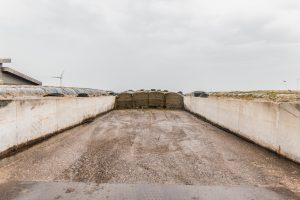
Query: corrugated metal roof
x,y
10,91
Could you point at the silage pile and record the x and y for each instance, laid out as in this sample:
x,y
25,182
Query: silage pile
x,y
140,99
156,99
149,99
124,101
174,100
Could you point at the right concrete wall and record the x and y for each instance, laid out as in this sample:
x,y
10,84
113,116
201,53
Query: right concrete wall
x,y
275,126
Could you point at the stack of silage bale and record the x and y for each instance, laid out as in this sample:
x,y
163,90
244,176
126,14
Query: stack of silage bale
x,y
156,99
174,100
124,100
140,99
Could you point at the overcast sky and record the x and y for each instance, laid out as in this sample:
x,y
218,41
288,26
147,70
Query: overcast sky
x,y
184,45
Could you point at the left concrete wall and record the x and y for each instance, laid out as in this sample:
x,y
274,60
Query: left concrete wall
x,y
24,120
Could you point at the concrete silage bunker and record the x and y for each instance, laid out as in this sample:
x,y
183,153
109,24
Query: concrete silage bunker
x,y
174,100
156,99
124,100
140,99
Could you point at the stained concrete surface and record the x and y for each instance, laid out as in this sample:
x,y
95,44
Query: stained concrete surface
x,y
91,191
152,147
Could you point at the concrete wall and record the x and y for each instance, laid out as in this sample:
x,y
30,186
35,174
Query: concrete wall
x,y
275,126
25,120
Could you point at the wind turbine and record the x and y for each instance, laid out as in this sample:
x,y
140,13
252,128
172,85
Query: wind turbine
x,y
60,78
285,84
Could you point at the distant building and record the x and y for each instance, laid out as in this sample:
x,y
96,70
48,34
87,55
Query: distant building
x,y
8,76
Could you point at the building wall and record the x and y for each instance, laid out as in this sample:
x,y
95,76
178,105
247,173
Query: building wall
x,y
24,120
275,126
9,79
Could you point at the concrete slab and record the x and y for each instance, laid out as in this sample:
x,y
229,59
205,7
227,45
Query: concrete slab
x,y
73,191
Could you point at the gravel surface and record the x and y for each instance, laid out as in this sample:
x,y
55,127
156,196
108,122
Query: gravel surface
x,y
151,146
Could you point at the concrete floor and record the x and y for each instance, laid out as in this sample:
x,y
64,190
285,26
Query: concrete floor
x,y
152,147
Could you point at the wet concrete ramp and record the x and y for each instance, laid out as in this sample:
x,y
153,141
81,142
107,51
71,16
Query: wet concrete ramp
x,y
150,146
72,190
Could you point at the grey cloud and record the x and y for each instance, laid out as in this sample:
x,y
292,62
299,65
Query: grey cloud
x,y
179,45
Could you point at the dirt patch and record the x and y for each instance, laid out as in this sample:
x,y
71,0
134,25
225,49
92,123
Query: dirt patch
x,y
297,106
96,165
4,103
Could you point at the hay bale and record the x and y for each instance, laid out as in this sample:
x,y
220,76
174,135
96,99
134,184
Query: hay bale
x,y
174,100
124,100
156,100
140,99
